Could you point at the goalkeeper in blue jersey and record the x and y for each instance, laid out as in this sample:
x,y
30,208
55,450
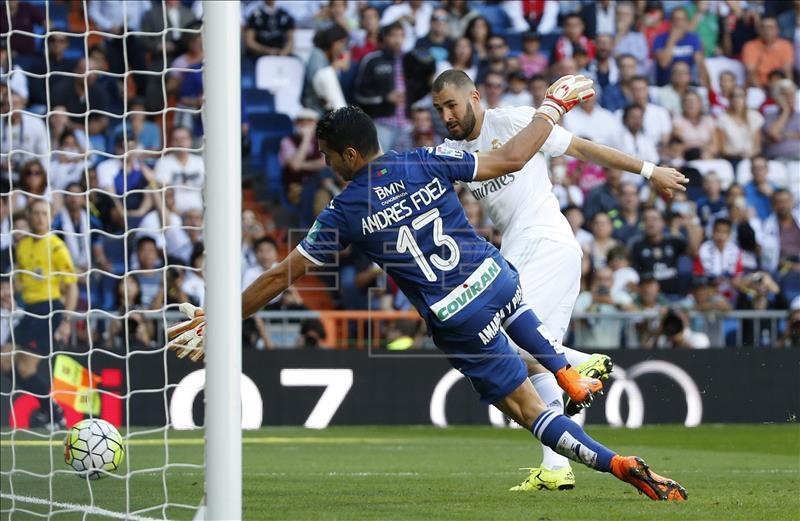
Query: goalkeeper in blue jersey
x,y
401,210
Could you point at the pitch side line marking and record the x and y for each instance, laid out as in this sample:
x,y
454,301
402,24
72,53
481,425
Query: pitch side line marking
x,y
80,508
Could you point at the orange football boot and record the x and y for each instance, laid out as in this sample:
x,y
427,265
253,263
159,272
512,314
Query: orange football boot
x,y
635,471
580,389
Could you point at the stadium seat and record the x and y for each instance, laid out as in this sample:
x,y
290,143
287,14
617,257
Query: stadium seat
x,y
248,72
715,66
721,167
258,101
266,132
777,173
303,43
496,16
283,76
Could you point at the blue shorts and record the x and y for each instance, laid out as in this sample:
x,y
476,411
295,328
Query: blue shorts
x,y
482,352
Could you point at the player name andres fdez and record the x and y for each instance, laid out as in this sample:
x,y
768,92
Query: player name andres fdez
x,y
400,201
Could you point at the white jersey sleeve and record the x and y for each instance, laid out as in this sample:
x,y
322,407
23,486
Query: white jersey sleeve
x,y
558,141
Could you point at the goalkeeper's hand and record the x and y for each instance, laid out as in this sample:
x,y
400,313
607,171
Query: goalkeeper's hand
x,y
563,95
186,338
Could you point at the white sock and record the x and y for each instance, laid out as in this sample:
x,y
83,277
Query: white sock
x,y
551,394
574,357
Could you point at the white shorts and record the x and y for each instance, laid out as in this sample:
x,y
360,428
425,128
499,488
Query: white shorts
x,y
550,274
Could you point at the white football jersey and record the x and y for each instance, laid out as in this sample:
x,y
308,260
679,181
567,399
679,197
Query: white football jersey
x,y
520,204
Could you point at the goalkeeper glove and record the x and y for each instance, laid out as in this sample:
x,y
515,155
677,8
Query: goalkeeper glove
x,y
563,95
186,338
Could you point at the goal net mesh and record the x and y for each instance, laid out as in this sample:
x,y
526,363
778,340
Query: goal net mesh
x,y
101,119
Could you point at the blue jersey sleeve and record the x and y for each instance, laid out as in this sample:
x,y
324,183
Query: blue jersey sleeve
x,y
455,165
326,238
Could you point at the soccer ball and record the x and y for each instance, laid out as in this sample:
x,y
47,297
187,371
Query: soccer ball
x,y
93,448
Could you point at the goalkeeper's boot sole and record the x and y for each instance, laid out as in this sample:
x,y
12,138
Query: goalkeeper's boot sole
x,y
546,479
597,366
579,389
635,471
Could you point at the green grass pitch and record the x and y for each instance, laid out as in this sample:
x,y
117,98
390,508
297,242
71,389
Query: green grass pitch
x,y
350,473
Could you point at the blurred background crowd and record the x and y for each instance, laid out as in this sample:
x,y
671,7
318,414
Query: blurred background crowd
x,y
101,119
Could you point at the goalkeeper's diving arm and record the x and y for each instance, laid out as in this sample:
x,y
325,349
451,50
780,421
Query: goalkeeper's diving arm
x,y
274,281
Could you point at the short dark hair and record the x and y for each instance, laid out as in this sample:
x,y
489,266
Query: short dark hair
x,y
385,30
629,108
538,77
573,15
453,77
349,127
325,38
722,220
639,77
143,240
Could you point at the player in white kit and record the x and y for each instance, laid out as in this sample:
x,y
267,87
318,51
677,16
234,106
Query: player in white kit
x,y
537,238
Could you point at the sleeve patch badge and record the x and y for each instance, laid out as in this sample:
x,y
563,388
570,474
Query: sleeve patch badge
x,y
443,150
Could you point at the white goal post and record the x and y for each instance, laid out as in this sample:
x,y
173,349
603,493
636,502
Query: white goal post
x,y
222,112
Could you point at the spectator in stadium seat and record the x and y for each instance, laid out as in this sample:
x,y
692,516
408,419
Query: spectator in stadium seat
x,y
603,69
656,122
601,333
184,169
26,136
193,284
625,278
626,217
369,35
720,100
616,96
676,333
422,123
164,224
649,299
758,291
437,42
788,21
782,128
576,220
187,85
634,140
32,185
704,20
460,14
739,129
147,261
23,17
759,191
322,90
656,253
602,241
139,331
538,86
479,32
532,60
517,95
55,63
679,44
75,225
767,53
415,17
721,259
78,99
304,167
461,58
269,31
695,128
712,203
604,197
137,126
779,235
67,162
627,41
670,96
389,82
593,122
496,59
493,88
573,38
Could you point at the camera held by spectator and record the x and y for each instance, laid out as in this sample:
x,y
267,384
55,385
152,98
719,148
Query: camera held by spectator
x,y
676,333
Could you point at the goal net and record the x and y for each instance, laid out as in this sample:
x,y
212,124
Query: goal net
x,y
102,237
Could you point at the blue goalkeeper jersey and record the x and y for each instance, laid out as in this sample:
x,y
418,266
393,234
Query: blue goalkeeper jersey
x,y
401,210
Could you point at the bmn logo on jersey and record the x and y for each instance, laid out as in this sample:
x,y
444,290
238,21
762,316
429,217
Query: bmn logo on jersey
x,y
394,188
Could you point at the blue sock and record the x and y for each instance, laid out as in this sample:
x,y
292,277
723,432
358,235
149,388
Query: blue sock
x,y
568,439
528,332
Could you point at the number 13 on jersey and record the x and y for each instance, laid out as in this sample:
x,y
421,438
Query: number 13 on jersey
x,y
407,243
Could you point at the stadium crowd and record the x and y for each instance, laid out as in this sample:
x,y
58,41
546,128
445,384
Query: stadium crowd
x,y
106,127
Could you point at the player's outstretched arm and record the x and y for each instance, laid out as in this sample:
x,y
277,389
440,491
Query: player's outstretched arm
x,y
561,96
663,179
274,281
186,338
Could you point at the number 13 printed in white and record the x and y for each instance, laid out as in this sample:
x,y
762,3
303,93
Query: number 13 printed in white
x,y
407,243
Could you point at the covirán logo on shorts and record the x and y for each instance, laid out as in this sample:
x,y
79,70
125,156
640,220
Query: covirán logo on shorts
x,y
465,293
